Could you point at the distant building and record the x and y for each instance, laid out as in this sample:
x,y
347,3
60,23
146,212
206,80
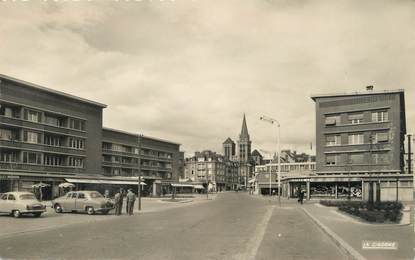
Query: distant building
x,y
229,149
257,158
208,168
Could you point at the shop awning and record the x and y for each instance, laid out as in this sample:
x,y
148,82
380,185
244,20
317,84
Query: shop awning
x,y
95,181
182,185
198,187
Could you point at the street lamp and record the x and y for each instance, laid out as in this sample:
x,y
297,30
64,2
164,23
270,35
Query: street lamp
x,y
272,121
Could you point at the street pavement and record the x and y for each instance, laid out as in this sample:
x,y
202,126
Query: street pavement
x,y
355,232
232,226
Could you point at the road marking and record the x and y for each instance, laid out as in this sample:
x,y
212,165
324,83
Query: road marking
x,y
256,240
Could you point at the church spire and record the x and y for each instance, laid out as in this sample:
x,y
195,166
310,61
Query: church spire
x,y
244,132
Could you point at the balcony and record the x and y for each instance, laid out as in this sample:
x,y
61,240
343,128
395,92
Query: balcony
x,y
17,166
40,126
40,147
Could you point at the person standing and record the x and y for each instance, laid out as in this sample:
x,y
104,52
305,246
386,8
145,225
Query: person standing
x,y
301,196
130,202
121,201
117,199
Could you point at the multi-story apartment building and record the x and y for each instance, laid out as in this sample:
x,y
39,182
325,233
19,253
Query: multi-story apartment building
x,y
126,154
45,135
360,147
52,137
211,169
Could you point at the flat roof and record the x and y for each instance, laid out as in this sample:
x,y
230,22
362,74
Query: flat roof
x,y
144,136
357,93
56,92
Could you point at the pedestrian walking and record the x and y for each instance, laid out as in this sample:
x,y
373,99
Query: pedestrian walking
x,y
117,198
301,196
122,194
130,202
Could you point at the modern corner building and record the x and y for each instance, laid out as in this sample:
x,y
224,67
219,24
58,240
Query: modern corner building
x,y
360,147
52,137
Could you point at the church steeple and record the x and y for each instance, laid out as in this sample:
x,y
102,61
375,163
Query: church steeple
x,y
244,131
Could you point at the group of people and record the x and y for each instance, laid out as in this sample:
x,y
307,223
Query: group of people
x,y
119,200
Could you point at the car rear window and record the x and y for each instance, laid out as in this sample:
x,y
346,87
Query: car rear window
x,y
27,197
95,195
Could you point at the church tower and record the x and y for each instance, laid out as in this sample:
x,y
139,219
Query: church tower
x,y
244,144
244,154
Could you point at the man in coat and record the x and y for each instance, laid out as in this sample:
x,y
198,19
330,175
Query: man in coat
x,y
117,199
130,202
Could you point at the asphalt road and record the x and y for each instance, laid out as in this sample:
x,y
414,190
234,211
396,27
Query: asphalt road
x,y
233,226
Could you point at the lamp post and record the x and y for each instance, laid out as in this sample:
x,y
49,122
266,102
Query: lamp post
x,y
272,121
139,171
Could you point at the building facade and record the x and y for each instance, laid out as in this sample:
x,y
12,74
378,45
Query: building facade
x,y
213,170
46,135
244,154
360,148
52,137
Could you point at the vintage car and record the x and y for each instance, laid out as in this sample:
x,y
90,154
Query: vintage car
x,y
18,203
83,201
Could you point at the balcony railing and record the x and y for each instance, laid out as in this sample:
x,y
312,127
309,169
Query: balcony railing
x,y
40,147
17,166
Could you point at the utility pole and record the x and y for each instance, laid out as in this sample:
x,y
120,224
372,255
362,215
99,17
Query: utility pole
x,y
139,171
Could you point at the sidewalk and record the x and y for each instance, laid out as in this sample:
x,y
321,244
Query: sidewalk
x,y
50,220
354,232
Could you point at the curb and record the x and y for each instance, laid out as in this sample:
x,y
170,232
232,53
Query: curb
x,y
343,245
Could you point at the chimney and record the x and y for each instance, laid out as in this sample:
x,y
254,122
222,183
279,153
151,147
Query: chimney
x,y
369,88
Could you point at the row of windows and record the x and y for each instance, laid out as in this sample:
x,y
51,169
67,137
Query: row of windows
x,y
52,160
357,138
358,158
39,117
36,138
357,118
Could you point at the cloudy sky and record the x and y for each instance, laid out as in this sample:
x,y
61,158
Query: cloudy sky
x,y
188,70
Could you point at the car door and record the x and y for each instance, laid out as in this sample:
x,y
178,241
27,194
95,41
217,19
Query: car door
x,y
3,203
81,201
11,202
68,203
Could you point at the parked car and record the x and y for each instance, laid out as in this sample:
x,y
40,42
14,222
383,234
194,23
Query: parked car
x,y
18,203
83,201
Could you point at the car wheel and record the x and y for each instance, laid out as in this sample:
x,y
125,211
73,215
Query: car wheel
x,y
90,210
16,213
37,214
58,208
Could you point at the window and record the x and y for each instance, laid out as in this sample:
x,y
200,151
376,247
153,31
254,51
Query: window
x,y
3,197
355,118
33,116
69,195
77,124
11,197
332,120
52,140
52,160
355,138
380,116
380,137
74,195
76,143
51,120
8,156
380,158
81,196
32,158
331,159
75,162
5,134
31,137
356,158
332,140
